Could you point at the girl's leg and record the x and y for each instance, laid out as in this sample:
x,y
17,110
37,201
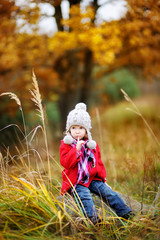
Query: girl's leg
x,y
84,197
110,197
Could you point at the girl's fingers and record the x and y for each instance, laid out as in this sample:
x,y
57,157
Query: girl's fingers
x,y
79,143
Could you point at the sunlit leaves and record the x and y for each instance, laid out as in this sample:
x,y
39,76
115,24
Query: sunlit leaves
x,y
29,14
104,40
7,35
140,32
79,20
133,40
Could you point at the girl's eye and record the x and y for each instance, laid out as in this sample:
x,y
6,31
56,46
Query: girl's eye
x,y
81,127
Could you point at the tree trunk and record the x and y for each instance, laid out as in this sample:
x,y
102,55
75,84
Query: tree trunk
x,y
74,69
58,17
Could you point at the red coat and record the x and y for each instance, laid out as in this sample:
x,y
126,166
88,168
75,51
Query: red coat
x,y
69,160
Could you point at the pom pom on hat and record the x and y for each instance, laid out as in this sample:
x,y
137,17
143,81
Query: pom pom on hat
x,y
79,116
81,106
91,144
68,139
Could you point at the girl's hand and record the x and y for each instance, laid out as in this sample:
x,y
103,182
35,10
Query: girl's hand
x,y
79,144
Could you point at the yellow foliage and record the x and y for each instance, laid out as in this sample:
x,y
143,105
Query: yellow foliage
x,y
133,40
61,42
79,21
104,41
30,15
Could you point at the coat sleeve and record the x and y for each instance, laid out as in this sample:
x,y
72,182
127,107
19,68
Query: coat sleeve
x,y
68,156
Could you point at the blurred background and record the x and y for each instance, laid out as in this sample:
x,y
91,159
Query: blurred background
x,y
82,51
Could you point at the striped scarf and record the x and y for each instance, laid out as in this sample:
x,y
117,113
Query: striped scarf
x,y
87,162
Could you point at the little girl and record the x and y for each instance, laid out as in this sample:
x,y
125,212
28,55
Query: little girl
x,y
84,171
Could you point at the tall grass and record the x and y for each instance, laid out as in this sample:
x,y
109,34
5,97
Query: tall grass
x,y
14,97
31,206
138,112
36,98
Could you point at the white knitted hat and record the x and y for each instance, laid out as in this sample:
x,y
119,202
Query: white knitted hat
x,y
79,116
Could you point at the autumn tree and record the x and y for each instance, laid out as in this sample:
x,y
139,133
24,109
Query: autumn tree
x,y
78,45
21,52
140,36
70,53
132,41
63,63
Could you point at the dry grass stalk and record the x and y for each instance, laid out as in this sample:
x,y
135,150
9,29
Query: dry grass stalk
x,y
137,111
100,130
155,202
37,97
1,157
38,102
2,169
13,97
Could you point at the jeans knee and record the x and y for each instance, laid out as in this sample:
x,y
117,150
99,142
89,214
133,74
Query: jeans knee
x,y
83,192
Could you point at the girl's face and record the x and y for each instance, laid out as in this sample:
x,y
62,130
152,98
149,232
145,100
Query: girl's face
x,y
77,132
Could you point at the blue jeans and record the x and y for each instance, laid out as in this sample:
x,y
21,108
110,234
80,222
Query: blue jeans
x,y
106,193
